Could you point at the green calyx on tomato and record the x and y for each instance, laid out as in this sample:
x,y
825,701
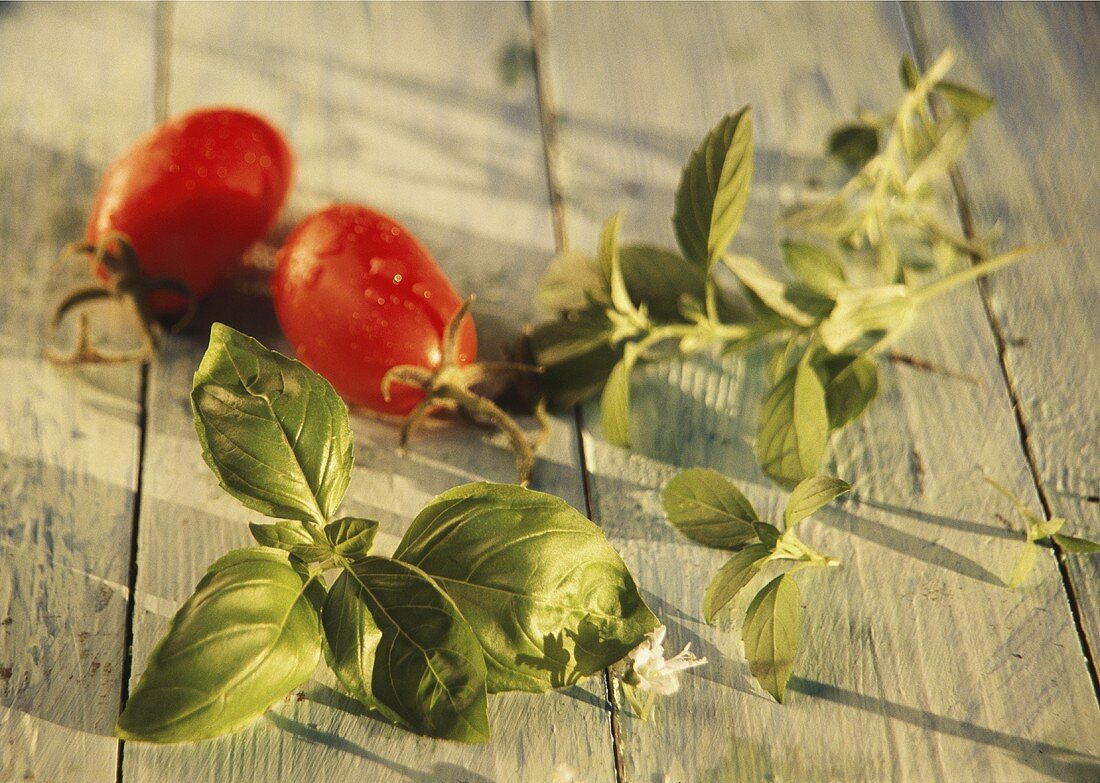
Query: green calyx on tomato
x,y
361,300
174,213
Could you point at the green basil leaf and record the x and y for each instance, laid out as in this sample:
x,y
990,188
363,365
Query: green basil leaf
x,y
351,537
547,596
274,432
771,634
767,533
881,313
794,302
572,280
615,400
851,383
425,663
811,494
732,577
714,189
1024,564
966,101
1045,528
1074,545
815,266
794,426
248,636
285,535
854,144
660,279
706,507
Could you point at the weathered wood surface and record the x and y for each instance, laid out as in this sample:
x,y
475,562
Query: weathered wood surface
x,y
917,663
68,440
1030,170
400,107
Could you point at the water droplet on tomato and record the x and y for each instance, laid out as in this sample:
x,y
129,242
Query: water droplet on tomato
x,y
250,157
223,172
395,231
201,171
396,279
265,161
381,300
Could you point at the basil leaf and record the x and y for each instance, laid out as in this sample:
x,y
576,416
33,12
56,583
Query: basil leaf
x,y
796,303
968,102
1076,545
810,495
816,267
249,635
660,279
785,357
615,401
547,596
351,643
767,533
351,537
706,507
274,432
1024,564
732,577
771,634
714,189
794,426
854,144
572,280
881,312
425,666
851,383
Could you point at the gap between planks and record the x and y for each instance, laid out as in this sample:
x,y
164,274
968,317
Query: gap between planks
x,y
913,24
162,48
548,122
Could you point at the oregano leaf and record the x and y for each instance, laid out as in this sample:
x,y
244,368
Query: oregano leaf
x,y
771,634
851,384
1024,564
1076,545
881,312
854,144
737,572
810,495
794,426
273,431
815,266
797,303
708,508
714,189
615,400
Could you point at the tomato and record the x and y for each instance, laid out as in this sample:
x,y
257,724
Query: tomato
x,y
357,295
193,194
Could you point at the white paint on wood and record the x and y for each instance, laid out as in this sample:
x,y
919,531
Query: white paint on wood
x,y
75,89
917,663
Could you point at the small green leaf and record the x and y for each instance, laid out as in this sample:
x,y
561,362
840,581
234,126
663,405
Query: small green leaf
x,y
851,383
273,431
794,302
608,259
615,401
771,634
425,664
248,636
732,577
966,101
1077,546
815,266
1046,528
288,535
714,189
794,426
707,507
572,280
785,357
1023,565
351,537
908,72
767,533
811,494
854,144
660,279
548,598
881,313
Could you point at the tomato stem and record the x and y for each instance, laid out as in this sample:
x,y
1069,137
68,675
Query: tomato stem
x,y
450,387
127,284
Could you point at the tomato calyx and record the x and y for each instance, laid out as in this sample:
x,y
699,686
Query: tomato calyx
x,y
450,386
125,283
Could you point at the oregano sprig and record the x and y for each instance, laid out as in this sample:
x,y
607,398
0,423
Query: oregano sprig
x,y
493,587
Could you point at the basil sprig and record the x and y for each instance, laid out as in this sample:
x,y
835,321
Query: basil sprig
x,y
710,509
493,588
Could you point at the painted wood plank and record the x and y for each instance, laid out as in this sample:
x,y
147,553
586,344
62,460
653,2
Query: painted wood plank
x,y
917,663
401,106
76,87
1033,169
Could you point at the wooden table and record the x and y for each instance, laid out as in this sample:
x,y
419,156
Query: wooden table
x,y
917,665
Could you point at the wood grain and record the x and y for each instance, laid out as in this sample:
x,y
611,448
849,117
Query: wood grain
x,y
402,107
68,440
1030,170
917,663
